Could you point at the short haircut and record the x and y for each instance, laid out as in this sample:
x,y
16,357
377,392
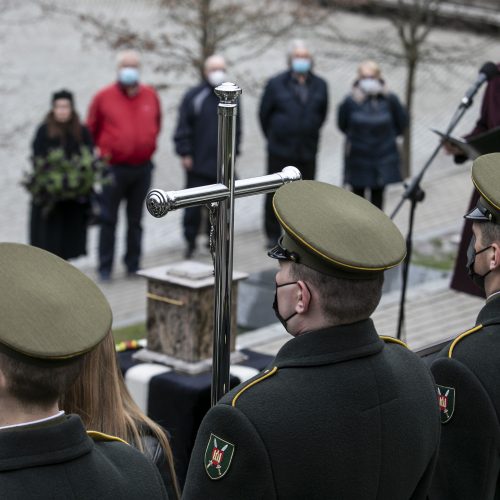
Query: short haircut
x,y
371,66
210,59
490,232
38,382
342,301
297,44
123,55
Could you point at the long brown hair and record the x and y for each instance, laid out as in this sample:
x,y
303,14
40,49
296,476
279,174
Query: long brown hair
x,y
61,131
101,398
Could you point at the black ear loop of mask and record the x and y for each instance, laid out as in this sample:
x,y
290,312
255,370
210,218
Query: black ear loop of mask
x,y
478,279
282,320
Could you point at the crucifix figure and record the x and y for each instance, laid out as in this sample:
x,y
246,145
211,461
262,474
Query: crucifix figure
x,y
220,201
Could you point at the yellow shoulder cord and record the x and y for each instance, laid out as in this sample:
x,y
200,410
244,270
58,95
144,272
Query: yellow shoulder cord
x,y
393,340
267,373
100,436
461,336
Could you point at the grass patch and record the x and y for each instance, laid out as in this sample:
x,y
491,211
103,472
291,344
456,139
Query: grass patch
x,y
138,331
441,262
131,332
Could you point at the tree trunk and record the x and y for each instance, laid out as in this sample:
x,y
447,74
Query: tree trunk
x,y
411,67
205,49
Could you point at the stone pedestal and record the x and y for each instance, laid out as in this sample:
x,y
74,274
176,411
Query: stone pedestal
x,y
180,312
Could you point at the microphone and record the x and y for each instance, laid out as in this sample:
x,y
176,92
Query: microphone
x,y
487,72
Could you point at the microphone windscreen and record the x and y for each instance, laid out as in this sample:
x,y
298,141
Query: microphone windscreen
x,y
489,69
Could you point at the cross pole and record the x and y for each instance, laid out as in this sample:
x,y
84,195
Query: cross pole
x,y
220,200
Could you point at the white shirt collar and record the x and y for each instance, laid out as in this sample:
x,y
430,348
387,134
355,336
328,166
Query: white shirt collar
x,y
33,422
492,295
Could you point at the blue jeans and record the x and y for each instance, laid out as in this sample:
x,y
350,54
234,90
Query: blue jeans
x,y
130,183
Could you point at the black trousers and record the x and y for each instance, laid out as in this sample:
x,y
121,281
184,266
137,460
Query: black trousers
x,y
130,183
276,164
192,215
376,195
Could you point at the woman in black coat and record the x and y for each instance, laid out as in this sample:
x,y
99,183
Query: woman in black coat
x,y
372,119
61,227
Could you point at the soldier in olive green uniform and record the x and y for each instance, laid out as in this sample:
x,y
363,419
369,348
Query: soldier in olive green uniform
x,y
467,372
50,313
341,413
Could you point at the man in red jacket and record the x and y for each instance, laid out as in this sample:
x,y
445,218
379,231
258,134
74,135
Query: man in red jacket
x,y
124,119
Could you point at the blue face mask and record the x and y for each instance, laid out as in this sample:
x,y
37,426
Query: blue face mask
x,y
128,76
301,65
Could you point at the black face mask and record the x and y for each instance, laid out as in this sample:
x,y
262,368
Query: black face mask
x,y
283,321
478,279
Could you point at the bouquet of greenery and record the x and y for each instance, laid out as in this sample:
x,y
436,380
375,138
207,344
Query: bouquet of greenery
x,y
57,178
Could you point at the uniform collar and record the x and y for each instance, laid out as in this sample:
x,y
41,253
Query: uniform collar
x,y
331,345
38,423
491,310
33,446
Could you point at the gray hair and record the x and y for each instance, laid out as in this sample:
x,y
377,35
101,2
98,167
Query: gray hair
x,y
213,58
297,44
126,54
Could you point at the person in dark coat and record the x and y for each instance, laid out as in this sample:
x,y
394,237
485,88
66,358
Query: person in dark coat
x,y
467,370
489,119
52,314
62,228
195,140
371,118
341,413
292,111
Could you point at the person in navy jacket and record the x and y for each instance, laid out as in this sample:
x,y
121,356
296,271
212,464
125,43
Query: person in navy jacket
x,y
195,139
292,111
372,118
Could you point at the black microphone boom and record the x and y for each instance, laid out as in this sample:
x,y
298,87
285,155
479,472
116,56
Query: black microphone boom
x,y
487,72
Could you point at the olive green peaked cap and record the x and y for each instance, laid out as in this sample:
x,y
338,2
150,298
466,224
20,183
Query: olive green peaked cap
x,y
486,178
48,308
335,231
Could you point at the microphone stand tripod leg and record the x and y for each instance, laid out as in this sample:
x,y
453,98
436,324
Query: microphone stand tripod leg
x,y
416,196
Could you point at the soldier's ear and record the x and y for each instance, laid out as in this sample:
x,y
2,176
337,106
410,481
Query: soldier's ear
x,y
495,258
303,298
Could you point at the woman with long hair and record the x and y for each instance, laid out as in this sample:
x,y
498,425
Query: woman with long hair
x,y
102,400
59,220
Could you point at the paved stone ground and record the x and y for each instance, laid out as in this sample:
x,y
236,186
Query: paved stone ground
x,y
42,54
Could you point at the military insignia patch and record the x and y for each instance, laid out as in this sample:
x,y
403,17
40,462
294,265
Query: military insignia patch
x,y
218,456
446,400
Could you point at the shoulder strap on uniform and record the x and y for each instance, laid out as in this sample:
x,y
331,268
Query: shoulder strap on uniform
x,y
392,340
266,374
462,336
490,322
100,436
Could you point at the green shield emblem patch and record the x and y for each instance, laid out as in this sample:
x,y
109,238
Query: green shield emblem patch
x,y
218,456
446,400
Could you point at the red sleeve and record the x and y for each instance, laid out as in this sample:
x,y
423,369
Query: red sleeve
x,y
158,103
94,119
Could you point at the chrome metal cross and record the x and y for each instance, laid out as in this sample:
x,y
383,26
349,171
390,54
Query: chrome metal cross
x,y
220,200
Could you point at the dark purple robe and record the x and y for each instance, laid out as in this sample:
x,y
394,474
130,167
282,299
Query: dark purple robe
x,y
488,119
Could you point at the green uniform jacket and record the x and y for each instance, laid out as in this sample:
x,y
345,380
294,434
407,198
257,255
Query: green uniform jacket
x,y
469,379
339,415
58,461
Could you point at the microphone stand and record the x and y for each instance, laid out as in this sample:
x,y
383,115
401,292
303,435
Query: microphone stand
x,y
415,194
